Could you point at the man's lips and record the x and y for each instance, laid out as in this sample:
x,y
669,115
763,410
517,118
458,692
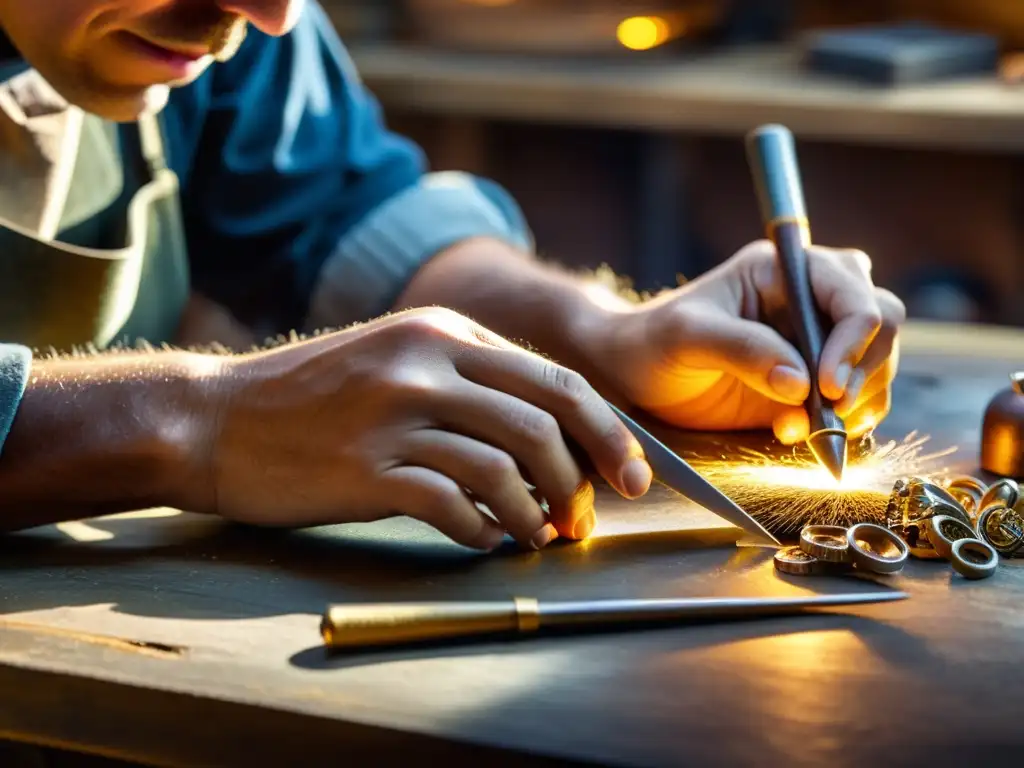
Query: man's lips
x,y
176,60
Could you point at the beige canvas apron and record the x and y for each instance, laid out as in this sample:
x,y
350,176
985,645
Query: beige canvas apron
x,y
104,260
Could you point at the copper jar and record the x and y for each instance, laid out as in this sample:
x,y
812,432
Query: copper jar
x,y
1002,432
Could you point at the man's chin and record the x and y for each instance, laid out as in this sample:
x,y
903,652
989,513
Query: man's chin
x,y
127,106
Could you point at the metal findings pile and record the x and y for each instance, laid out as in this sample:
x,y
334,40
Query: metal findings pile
x,y
962,521
833,549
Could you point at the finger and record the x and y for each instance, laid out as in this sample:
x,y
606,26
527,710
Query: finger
x,y
857,394
438,501
566,395
791,425
883,354
701,335
869,415
489,475
534,439
843,289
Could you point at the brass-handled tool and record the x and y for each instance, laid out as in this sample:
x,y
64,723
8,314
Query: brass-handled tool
x,y
384,624
671,469
771,155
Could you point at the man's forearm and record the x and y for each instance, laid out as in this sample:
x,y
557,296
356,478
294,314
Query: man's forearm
x,y
103,434
524,300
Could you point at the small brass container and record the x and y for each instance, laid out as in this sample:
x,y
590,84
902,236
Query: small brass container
x,y
1002,431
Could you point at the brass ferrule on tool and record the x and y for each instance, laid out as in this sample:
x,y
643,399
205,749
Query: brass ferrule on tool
x,y
391,623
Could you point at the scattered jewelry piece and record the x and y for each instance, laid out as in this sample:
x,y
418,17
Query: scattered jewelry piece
x,y
968,491
1003,493
974,559
913,500
825,542
1003,529
876,549
795,561
944,531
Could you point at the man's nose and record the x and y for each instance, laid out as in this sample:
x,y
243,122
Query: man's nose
x,y
272,17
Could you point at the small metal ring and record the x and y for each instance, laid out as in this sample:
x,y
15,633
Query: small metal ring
x,y
1003,492
944,531
794,561
974,559
877,549
995,532
825,542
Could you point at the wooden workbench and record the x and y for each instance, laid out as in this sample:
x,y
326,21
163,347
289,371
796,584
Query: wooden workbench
x,y
175,640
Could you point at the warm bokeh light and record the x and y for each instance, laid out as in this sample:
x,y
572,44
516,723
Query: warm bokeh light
x,y
641,33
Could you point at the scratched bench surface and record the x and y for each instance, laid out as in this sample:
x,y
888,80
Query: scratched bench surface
x,y
178,639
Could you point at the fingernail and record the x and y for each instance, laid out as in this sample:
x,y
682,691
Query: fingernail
x,y
843,376
789,383
585,525
637,477
544,536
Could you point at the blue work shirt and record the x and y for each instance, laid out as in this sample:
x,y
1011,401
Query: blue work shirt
x,y
301,208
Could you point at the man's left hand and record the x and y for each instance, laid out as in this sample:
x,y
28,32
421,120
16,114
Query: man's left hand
x,y
716,354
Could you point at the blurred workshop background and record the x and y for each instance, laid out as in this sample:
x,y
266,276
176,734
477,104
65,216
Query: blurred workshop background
x,y
618,124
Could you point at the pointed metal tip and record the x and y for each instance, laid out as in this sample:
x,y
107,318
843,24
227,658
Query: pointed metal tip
x,y
829,448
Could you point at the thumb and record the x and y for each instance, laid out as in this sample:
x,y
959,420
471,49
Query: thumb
x,y
753,352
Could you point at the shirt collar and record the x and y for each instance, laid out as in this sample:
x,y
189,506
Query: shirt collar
x,y
11,62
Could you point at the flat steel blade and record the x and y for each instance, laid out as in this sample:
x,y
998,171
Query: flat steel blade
x,y
671,470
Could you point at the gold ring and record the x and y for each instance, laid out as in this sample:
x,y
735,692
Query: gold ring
x,y
1003,529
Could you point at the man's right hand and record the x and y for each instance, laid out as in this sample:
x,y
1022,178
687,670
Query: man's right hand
x,y
421,413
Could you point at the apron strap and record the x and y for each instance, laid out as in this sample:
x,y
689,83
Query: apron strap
x,y
151,143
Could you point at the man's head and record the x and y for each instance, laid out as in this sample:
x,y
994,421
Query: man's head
x,y
119,58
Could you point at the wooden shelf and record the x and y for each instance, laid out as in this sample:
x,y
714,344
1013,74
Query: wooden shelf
x,y
723,93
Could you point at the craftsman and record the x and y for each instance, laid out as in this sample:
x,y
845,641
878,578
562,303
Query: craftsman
x,y
174,171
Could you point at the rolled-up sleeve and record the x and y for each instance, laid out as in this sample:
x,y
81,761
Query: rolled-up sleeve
x,y
15,362
301,207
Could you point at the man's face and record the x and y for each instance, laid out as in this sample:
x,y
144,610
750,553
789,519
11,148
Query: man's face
x,y
119,58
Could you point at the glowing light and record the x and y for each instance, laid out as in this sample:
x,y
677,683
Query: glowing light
x,y
641,33
789,491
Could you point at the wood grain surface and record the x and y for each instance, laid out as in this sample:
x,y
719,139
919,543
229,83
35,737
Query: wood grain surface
x,y
175,639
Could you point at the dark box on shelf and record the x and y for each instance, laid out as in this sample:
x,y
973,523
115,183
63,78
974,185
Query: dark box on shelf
x,y
901,54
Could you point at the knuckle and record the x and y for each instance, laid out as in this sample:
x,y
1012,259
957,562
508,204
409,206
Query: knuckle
x,y
893,309
869,319
539,428
429,325
498,469
404,382
441,500
570,389
615,438
857,260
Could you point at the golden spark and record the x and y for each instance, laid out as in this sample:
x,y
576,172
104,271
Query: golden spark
x,y
786,491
